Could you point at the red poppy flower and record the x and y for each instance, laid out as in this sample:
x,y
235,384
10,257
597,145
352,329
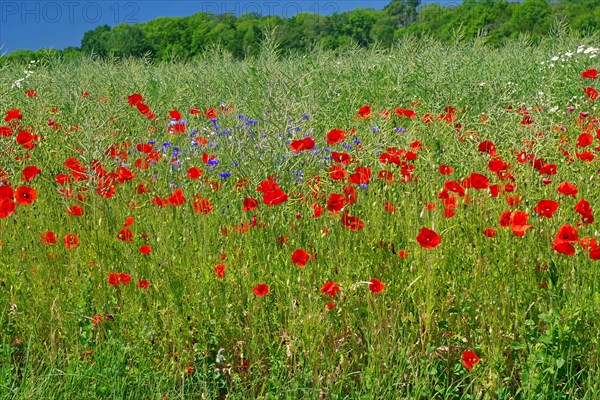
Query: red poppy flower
x,y
546,208
26,139
527,120
350,194
7,193
202,205
335,136
219,270
6,131
211,113
143,284
387,176
30,172
301,145
585,156
142,164
518,222
389,207
261,290
590,73
361,176
13,114
125,278
566,233
300,257
134,99
25,195
113,279
330,289
71,241
364,111
584,209
568,189
487,147
176,198
446,169
428,239
317,210
548,169
272,193
129,221
399,111
352,223
7,207
337,172
595,254
125,235
591,93
564,248
48,238
175,114
330,306
489,232
144,147
454,186
340,157
588,243
476,181
75,210
497,165
142,189
584,140
124,174
145,249
250,204
469,359
376,285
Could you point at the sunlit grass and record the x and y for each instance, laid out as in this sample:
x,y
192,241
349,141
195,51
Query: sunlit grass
x,y
529,313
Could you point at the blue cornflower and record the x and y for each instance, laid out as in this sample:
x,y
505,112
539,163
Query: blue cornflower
x,y
225,175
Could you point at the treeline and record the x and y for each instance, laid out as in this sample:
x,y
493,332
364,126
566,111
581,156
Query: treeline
x,y
187,37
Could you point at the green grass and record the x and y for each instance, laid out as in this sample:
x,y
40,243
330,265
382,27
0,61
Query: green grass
x,y
193,335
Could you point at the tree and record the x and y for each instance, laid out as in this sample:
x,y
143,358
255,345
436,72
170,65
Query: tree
x,y
127,41
532,16
403,12
96,40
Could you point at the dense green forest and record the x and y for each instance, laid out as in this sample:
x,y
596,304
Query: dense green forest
x,y
183,38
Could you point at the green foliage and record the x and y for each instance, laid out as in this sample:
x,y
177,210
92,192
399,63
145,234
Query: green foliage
x,y
177,38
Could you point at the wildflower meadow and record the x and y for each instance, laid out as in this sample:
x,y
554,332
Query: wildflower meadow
x,y
412,223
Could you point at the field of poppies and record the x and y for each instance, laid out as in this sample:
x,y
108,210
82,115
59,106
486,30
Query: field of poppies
x,y
418,223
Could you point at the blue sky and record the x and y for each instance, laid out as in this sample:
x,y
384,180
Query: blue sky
x,y
36,24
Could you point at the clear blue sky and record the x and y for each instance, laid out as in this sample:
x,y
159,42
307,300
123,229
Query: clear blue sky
x,y
36,24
